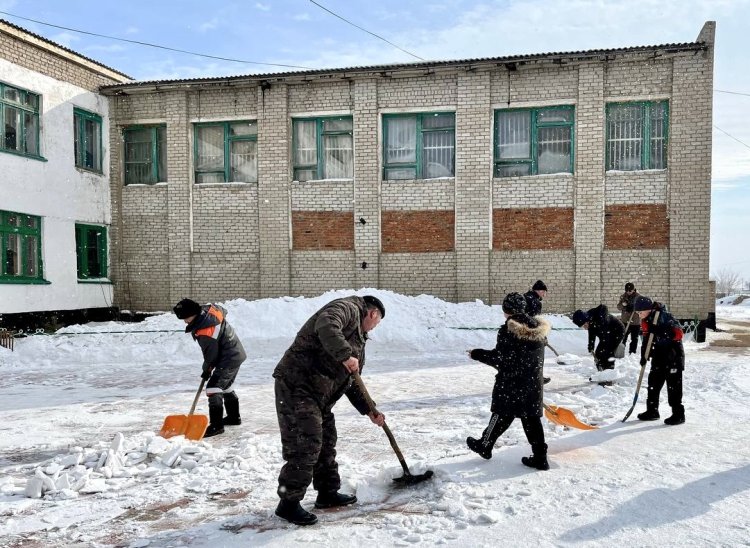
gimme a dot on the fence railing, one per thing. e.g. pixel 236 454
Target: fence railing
pixel 6 339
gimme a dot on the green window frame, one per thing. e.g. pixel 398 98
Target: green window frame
pixel 226 152
pixel 323 148
pixel 87 136
pixel 19 118
pixel 637 135
pixel 419 145
pixel 145 154
pixel 91 251
pixel 20 248
pixel 534 141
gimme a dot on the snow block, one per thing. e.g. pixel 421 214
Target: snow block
pixel 170 457
pixel 34 488
pixel 71 460
pixel 117 443
pixel 94 486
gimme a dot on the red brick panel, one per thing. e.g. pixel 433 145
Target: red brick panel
pixel 322 230
pixel 636 226
pixel 417 231
pixel 532 228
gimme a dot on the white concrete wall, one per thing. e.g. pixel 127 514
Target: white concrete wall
pixel 58 192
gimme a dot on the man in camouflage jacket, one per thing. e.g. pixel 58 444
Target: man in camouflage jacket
pixel 311 377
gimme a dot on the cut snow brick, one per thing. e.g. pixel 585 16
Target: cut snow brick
pixel 47 483
pixel 170 457
pixel 94 486
pixel 71 460
pixel 63 482
pixel 53 469
pixel 117 443
pixel 34 488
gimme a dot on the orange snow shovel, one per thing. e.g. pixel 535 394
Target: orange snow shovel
pixel 565 417
pixel 191 426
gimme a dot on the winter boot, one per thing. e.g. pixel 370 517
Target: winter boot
pixel 546 379
pixel 215 415
pixel 479 448
pixel 678 416
pixel 539 459
pixel 292 511
pixel 333 499
pixel 232 405
pixel 651 414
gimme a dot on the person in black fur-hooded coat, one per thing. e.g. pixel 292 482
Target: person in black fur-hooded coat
pixel 518 358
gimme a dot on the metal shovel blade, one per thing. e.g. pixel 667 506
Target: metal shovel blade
pixel 411 479
pixel 193 427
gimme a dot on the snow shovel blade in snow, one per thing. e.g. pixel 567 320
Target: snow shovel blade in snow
pixel 565 417
pixel 191 426
pixel 408 478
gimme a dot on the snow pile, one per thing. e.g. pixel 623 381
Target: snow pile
pixel 117 464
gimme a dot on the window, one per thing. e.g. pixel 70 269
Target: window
pixel 19 118
pixel 87 133
pixel 21 247
pixel 419 146
pixel 534 141
pixel 145 154
pixel 323 148
pixel 91 251
pixel 637 135
pixel 226 152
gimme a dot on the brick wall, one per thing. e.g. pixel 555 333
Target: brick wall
pixel 53 61
pixel 322 230
pixel 534 228
pixel 453 238
pixel 417 231
pixel 636 226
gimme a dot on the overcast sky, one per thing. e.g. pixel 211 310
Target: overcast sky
pixel 297 32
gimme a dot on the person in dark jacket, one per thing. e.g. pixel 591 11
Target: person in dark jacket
pixel 534 297
pixel 608 329
pixel 518 358
pixel 629 317
pixel 223 354
pixel 667 357
pixel 311 377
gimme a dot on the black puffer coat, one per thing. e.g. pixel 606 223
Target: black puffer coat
pixel 314 362
pixel 519 359
pixel 608 329
pixel 667 351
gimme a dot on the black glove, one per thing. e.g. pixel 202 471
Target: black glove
pixel 474 354
pixel 591 349
pixel 206 374
pixel 643 362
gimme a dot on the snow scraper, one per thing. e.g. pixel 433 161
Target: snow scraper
pixel 408 478
pixel 191 426
pixel 565 417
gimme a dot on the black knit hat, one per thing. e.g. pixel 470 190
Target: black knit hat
pixel 642 303
pixel 580 317
pixel 186 308
pixel 377 303
pixel 514 303
pixel 539 285
pixel 629 286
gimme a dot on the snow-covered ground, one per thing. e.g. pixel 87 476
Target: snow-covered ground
pixel 80 410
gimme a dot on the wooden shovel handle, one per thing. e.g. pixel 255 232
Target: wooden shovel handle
pixel 198 395
pixel 371 407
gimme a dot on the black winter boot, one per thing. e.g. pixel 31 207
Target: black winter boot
pixel 539 459
pixel 232 405
pixel 479 448
pixel 650 414
pixel 215 416
pixel 293 512
pixel 547 380
pixel 333 499
pixel 678 416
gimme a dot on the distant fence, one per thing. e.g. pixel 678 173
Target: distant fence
pixel 6 339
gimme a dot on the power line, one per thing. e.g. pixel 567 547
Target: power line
pixel 732 136
pixel 367 31
pixel 732 92
pixel 155 45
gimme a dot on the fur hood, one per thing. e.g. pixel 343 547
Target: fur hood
pixel 527 328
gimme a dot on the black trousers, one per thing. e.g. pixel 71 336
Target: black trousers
pixel 634 332
pixel 656 379
pixel 532 427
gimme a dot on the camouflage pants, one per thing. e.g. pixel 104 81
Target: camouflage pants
pixel 308 444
